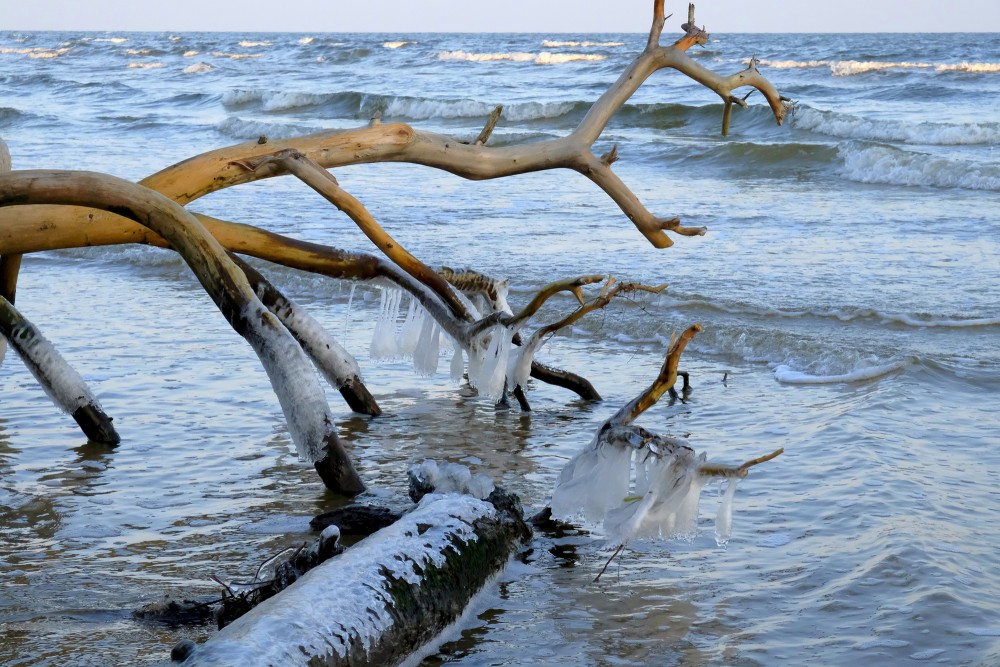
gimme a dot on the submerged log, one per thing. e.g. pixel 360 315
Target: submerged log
pixel 383 598
pixel 62 384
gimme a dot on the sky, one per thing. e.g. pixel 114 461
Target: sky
pixel 548 16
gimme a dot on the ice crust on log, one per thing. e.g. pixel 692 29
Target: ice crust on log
pixel 339 612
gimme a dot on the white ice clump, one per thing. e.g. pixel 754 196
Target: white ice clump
pixel 345 602
pixel 452 478
pixel 639 485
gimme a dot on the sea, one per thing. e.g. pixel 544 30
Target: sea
pixel 848 286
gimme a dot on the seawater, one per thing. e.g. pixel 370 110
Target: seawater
pixel 848 286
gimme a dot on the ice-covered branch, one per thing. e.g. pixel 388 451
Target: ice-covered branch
pixel 61 383
pixel 334 362
pixel 309 420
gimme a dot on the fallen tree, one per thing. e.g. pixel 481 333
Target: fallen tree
pixel 406 582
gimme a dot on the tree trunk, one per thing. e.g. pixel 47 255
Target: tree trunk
pixel 383 598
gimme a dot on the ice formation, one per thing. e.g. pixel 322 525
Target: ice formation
pixel 346 600
pixel 419 337
pixel 639 484
pixel 488 361
pixel 451 478
pixel 3 349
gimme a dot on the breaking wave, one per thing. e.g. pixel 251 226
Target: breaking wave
pixel 892 166
pixel 848 126
pixel 855 67
pixel 555 44
pixel 867 371
pixel 543 58
pixel 238 128
pixel 198 68
pixel 396 45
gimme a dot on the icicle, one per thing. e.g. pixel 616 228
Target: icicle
pixel 457 362
pixel 428 352
pixel 384 337
pixel 488 366
pixel 3 349
pixel 347 315
pixel 519 366
pixel 724 518
pixel 409 334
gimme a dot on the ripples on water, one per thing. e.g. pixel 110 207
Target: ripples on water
pixel 847 286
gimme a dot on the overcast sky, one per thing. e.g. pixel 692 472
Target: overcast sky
pixel 403 16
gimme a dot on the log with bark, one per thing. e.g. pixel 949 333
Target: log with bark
pixel 383 598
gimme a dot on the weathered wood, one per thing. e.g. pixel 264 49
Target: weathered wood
pixel 309 420
pixel 384 597
pixel 333 361
pixel 61 383
pixel 356 519
pixel 398 142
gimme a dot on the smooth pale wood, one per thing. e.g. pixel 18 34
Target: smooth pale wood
pixel 222 280
pixel 397 142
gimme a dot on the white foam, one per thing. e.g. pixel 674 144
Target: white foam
pixel 543 58
pixel 927 654
pixel 555 44
pixel 145 65
pixel 236 56
pixel 198 68
pixel 247 44
pixel 396 45
pixel 306 40
pixel 190 54
pixel 881 643
pixel 786 374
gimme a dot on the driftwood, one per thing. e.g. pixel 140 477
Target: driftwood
pixel 333 361
pixel 62 384
pixel 399 142
pixel 384 597
pixel 302 401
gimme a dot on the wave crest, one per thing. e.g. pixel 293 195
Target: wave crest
pixel 888 165
pixel 848 126
pixel 543 58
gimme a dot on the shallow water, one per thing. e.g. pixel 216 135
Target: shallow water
pixel 848 289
